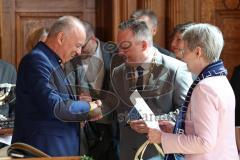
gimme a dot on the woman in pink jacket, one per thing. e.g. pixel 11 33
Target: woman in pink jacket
pixel 205 126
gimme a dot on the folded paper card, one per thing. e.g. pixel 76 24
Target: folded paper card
pixel 144 110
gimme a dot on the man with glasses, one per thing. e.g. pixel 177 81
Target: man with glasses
pixel 161 80
pixel 91 79
pixel 151 19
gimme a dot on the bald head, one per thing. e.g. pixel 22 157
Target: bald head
pixel 66 37
pixel 64 24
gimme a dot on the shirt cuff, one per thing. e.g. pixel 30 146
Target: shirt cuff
pixel 78 107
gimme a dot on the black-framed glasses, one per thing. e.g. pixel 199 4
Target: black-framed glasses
pixel 112 47
pixel 85 44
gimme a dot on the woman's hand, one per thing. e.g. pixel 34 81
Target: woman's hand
pixel 166 126
pixel 154 135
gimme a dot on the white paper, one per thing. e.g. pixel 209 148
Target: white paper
pixel 144 110
pixel 6 139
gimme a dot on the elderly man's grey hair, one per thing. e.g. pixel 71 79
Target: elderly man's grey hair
pixel 139 28
pixel 206 36
pixel 65 24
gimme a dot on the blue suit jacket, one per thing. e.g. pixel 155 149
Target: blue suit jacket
pixel 44 103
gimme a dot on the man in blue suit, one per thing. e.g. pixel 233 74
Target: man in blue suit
pixel 47 111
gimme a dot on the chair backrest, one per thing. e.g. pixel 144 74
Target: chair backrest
pixel 22 150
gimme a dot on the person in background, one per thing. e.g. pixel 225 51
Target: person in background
pixel 95 61
pixel 37 35
pixel 205 125
pixel 8 78
pixel 152 22
pixel 47 111
pixel 176 42
pixel 161 80
pixel 236 88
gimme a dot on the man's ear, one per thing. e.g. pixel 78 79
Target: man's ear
pixel 144 45
pixel 154 30
pixel 94 38
pixel 60 37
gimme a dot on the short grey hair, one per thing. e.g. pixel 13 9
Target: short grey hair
pixel 64 24
pixel 206 36
pixel 139 28
pixel 148 13
pixel 90 32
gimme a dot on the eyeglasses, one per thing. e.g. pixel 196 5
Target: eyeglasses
pixel 113 47
pixel 85 44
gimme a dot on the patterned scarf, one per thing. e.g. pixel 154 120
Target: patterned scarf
pixel 214 69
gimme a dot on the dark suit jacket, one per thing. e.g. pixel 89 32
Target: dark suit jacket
pixel 164 51
pixel 98 135
pixel 44 103
pixel 236 88
pixel 167 87
pixel 107 56
pixel 76 75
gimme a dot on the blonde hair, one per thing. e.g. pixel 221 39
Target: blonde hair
pixel 36 36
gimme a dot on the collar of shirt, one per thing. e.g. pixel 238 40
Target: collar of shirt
pixel 146 65
pixel 98 52
pixel 50 52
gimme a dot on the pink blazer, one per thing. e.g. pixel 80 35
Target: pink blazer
pixel 209 124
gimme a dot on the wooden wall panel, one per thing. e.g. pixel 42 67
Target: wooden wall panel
pixel 181 11
pixel 8 31
pixel 104 19
pixel 28 22
pixel 159 7
pixel 121 11
pixel 98 12
pixel 229 22
pixel 89 11
pixel 222 13
pixel 124 8
pixel 20 17
pixel 226 15
pixel 51 5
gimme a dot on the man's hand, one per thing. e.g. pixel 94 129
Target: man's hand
pixel 166 126
pixel 95 112
pixel 139 126
pixel 154 136
pixel 85 97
